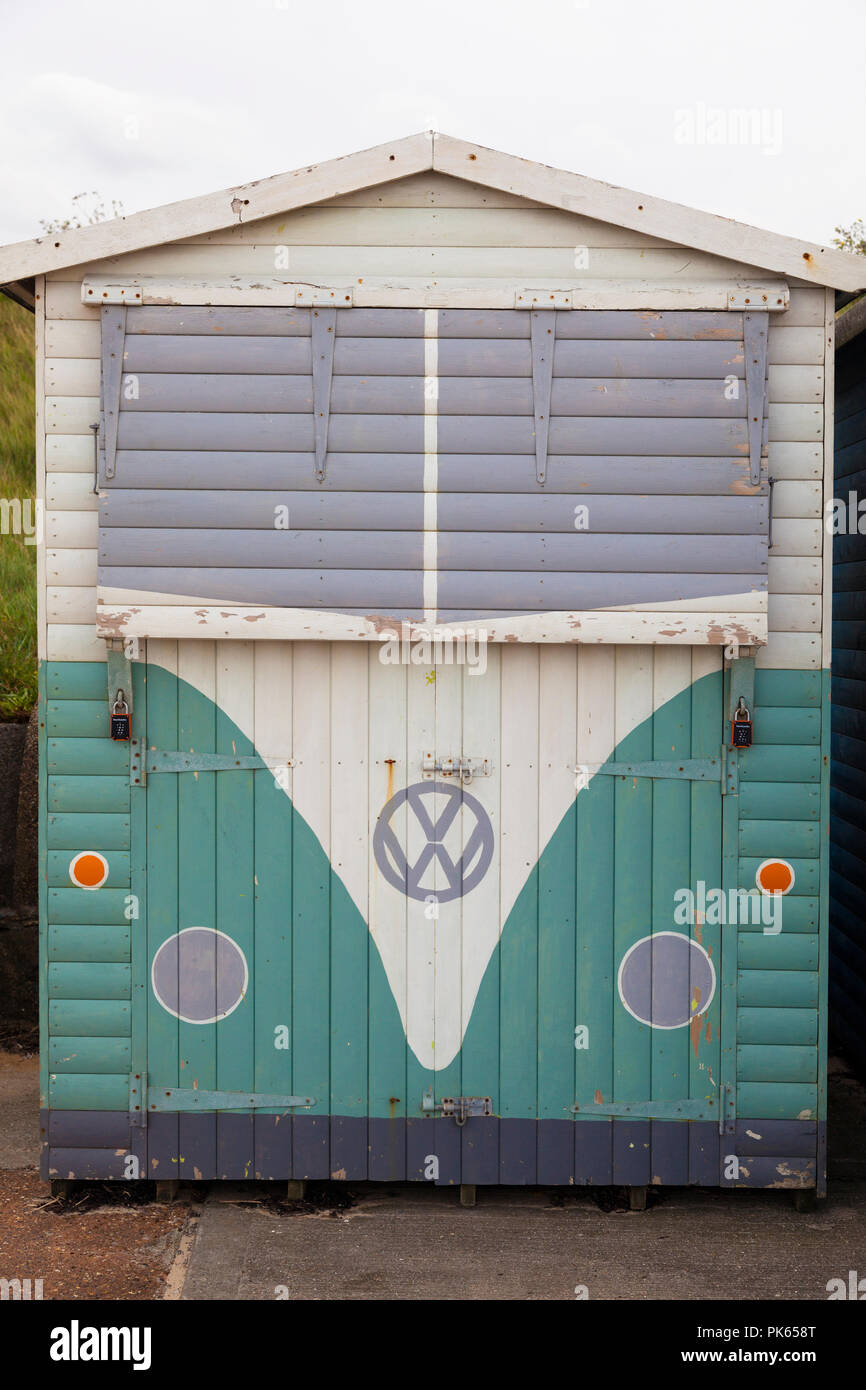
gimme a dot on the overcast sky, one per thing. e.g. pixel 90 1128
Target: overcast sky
pixel 164 99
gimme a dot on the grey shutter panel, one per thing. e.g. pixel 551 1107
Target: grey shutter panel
pixel 645 419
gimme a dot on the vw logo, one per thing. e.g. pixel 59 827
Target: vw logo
pixel 462 873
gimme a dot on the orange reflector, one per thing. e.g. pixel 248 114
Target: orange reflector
pixel 88 869
pixel 775 876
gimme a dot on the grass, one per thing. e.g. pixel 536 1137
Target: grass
pixel 18 679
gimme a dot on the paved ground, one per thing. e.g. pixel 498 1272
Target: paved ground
pixel 407 1242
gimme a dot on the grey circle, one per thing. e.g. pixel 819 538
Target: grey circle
pixel 462 876
pixel 199 975
pixel 666 980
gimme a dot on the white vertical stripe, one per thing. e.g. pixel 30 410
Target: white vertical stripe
pixel 431 464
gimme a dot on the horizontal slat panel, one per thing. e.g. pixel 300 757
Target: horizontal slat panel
pixel 778 800
pixel 72 829
pixel 785 951
pixel 94 795
pixel 776 1062
pixel 795 725
pixel 73 641
pixel 86 680
pixel 784 689
pixel 70 604
pixel 89 980
pixel 87 1054
pixel 348 264
pixel 312 520
pixel 364 589
pixel 379 395
pixel 777 1100
pixel 404 472
pixel 800 916
pixel 787 1026
pixel 405 434
pixel 59 860
pixel 788 838
pixel 87 1091
pixel 90 943
pixel 389 356
pixel 91 1017
pixel 101 907
pixel 87 756
pixel 806 871
pixel 795 989
pixel 71 567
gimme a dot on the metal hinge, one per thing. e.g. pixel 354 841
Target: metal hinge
pixel 147 760
pixel 686 769
pixel 144 1099
pixel 457 1108
pixel 464 769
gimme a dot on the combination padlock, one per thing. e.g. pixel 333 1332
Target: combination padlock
pixel 120 718
pixel 741 726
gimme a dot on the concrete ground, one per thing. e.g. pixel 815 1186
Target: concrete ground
pixel 412 1242
pixel 409 1242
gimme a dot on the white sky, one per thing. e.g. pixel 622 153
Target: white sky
pixel 634 92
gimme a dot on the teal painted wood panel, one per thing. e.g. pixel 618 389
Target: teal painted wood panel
pixel 235 892
pixel 96 1056
pixel 787 725
pixel 89 943
pixel 757 951
pixel 793 988
pixel 772 839
pixel 60 860
pixel 768 1025
pixel 79 718
pixel 87 756
pixel 87 1091
pixel 706 841
pixel 670 840
pixel 780 763
pixel 633 839
pixel 597 1001
pixel 161 794
pixel 786 688
pixel 777 1062
pixel 788 801
pixel 90 1017
pixel 770 1100
pixel 197 877
pixel 88 980
pixel 799 914
pixel 98 830
pixel 806 871
pixel 76 680
pixel 96 795
pixel 98 906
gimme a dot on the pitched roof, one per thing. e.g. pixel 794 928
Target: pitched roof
pixel 415 154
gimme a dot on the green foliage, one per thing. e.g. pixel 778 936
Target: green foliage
pixel 851 238
pixel 18 679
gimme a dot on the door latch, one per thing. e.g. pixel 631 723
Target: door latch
pixel 456 1108
pixel 463 769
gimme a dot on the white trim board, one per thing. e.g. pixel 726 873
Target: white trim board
pixel 227 290
pixel 120 615
pixel 431 151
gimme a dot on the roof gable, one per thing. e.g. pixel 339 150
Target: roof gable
pixel 460 159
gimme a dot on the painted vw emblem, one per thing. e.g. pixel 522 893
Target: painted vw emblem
pixel 463 861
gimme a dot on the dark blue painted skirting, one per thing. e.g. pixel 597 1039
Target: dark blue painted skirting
pixel 485 1151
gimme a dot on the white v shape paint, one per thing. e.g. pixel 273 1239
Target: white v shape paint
pixel 535 714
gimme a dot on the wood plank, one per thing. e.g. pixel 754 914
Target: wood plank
pixel 519 885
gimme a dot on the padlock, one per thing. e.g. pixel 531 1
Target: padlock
pixel 120 722
pixel 741 726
